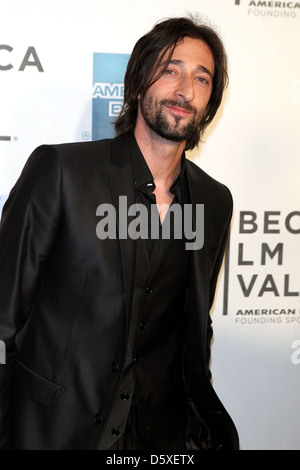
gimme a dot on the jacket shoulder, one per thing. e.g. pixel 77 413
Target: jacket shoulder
pixel 73 157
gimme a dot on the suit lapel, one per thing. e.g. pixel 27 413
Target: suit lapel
pixel 123 193
pixel 198 303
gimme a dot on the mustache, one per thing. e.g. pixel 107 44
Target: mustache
pixel 179 104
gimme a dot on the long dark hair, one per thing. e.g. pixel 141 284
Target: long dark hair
pixel 143 64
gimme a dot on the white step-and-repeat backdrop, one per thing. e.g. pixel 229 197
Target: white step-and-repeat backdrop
pixel 61 70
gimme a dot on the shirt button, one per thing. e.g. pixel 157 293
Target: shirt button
pixel 136 360
pixel 149 289
pixel 115 366
pixel 142 325
pixel 98 418
pixel 124 396
pixel 115 432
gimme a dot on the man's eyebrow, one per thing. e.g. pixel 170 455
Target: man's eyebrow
pixel 201 68
pixel 205 70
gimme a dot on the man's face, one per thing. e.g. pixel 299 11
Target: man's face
pixel 174 105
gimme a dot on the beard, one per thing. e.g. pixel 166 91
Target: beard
pixel 153 113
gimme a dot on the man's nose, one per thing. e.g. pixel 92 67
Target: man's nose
pixel 185 88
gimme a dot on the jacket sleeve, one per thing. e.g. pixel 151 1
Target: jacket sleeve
pixel 213 428
pixel 29 224
pixel 219 431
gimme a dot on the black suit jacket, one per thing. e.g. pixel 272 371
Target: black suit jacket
pixel 60 291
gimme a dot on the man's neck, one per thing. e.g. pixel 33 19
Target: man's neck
pixel 163 157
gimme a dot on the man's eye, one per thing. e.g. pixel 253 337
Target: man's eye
pixel 169 72
pixel 202 80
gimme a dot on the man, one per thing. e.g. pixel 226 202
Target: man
pixel 108 337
